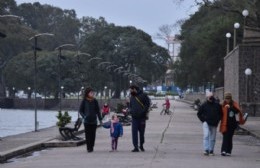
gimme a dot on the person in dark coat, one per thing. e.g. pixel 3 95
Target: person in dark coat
pixel 139 108
pixel 209 114
pixel 90 111
pixel 228 124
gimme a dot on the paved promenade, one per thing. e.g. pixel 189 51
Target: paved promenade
pixel 171 141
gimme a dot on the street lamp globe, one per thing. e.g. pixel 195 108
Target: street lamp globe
pixel 236 25
pixel 245 13
pixel 248 71
pixel 105 87
pixel 62 87
pixel 29 88
pixel 130 81
pixel 228 35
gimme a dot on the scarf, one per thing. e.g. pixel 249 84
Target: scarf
pixel 223 124
pixel 112 125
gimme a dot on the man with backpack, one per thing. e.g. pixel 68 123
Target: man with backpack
pixel 209 114
pixel 139 109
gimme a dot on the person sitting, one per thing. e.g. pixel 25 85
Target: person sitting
pixel 105 110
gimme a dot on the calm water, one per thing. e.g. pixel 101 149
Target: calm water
pixel 14 122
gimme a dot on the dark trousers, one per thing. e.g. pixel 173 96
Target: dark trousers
pixel 90 135
pixel 138 126
pixel 114 143
pixel 227 142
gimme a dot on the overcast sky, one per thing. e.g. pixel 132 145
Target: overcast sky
pixel 147 15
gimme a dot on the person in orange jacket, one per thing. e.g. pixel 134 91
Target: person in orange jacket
pixel 228 124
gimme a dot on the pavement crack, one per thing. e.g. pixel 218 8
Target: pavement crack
pixel 162 138
pixel 166 128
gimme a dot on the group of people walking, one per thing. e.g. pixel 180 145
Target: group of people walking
pixel 210 114
pixel 138 107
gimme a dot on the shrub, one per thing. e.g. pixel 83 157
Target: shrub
pixel 63 119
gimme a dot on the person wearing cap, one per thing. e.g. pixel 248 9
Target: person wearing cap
pixel 209 114
pixel 138 108
pixel 90 111
pixel 229 123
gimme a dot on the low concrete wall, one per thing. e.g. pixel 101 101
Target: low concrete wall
pixel 219 92
pixel 194 96
pixel 53 104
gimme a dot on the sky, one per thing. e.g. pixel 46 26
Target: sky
pixel 147 15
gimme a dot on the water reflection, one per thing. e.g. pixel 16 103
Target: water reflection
pixel 14 122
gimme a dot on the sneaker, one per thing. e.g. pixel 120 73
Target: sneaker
pixel 135 150
pixel 142 148
pixel 206 153
pixel 228 154
pixel 211 153
pixel 223 153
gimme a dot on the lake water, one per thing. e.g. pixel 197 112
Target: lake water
pixel 14 122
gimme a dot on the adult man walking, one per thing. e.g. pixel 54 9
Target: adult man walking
pixel 209 114
pixel 139 106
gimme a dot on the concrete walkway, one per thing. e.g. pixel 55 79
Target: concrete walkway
pixel 170 142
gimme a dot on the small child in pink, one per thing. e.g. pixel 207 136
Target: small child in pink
pixel 116 131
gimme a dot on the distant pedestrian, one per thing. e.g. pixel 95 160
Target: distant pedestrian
pixel 209 114
pixel 166 108
pixel 89 110
pixel 105 110
pixel 229 123
pixel 139 109
pixel 116 131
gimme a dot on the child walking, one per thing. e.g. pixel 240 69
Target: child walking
pixel 116 131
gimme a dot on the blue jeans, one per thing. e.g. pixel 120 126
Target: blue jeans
pixel 209 136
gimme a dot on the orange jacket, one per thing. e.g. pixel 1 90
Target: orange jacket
pixel 223 124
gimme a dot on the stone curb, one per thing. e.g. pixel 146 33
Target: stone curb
pixel 46 143
pixel 4 156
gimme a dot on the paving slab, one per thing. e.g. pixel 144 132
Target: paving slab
pixel 170 142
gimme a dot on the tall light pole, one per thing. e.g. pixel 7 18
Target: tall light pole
pixel 245 13
pixel 105 88
pixel 236 26
pixel 78 62
pixel 59 48
pixel 2 35
pixel 248 72
pixel 35 49
pixel 228 35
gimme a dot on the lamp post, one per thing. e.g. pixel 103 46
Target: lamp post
pixel 236 26
pixel 228 35
pixel 245 13
pixel 35 49
pixel 248 72
pixel 105 88
pixel 59 48
pixel 2 35
pixel 29 92
pixel 78 62
pixel 14 91
pixel 61 94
